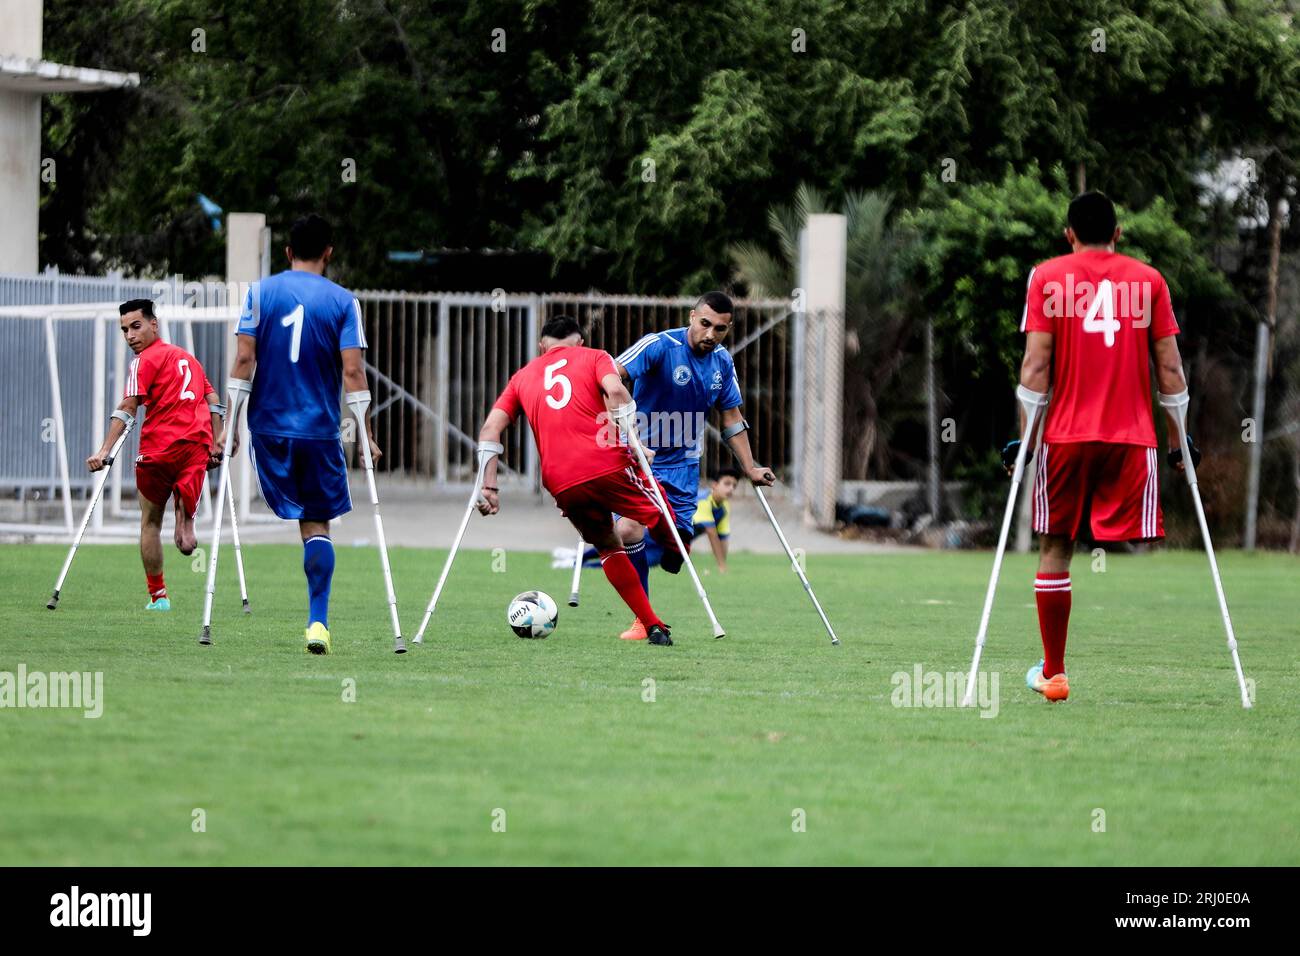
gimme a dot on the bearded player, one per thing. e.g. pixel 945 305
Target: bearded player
pixel 677 378
pixel 181 438
pixel 1094 320
pixel 569 394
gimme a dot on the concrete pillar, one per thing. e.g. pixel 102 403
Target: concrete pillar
pixel 20 146
pixel 246 238
pixel 823 252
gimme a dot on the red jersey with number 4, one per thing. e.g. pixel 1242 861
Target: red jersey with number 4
pixel 170 382
pixel 559 392
pixel 1103 310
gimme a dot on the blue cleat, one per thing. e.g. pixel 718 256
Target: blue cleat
pixel 162 604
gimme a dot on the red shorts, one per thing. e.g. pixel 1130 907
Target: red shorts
pixel 1115 487
pixel 588 506
pixel 178 472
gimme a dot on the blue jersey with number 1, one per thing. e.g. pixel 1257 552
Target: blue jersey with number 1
pixel 301 322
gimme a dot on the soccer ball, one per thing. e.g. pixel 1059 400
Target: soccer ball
pixel 532 614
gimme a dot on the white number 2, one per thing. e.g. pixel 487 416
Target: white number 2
pixel 1103 301
pixel 184 366
pixel 294 318
pixel 550 379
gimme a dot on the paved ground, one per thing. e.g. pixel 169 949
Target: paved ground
pixel 527 522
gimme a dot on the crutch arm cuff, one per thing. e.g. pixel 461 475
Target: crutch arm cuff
pixel 734 429
pixel 218 410
pixel 126 418
pixel 1175 400
pixel 491 447
pixel 1029 397
pixel 353 398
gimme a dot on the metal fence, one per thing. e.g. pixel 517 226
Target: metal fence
pixel 436 362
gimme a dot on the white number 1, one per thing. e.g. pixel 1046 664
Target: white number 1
pixel 294 318
pixel 1104 301
pixel 550 379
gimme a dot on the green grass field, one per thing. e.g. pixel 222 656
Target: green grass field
pixel 742 732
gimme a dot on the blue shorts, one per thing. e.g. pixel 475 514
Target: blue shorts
pixel 302 479
pixel 683 502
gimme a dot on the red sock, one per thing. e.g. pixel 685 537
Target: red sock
pixel 618 568
pixel 1052 591
pixel 156 587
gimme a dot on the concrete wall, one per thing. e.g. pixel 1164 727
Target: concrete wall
pixel 20 28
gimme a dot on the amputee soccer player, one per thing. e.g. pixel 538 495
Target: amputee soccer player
pixel 678 377
pixel 1094 318
pixel 304 335
pixel 569 394
pixel 181 439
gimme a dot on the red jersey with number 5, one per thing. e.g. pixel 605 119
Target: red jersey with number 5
pixel 560 393
pixel 1103 310
pixel 170 383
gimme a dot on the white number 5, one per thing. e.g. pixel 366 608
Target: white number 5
pixel 550 380
pixel 184 366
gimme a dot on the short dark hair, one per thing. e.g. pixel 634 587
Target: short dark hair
pixel 309 237
pixel 727 472
pixel 137 305
pixel 561 327
pixel 1092 217
pixel 719 302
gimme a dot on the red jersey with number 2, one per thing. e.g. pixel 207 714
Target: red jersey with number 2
pixel 1103 310
pixel 170 383
pixel 559 392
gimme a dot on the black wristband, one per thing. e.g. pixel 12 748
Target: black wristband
pixel 490 488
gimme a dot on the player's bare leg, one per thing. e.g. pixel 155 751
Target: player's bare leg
pixel 151 553
pixel 318 566
pixel 632 534
pixel 618 568
pixel 1052 594
pixel 184 536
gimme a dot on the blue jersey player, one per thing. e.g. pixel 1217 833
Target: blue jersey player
pixel 304 335
pixel 677 378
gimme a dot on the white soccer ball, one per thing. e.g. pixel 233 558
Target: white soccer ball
pixel 532 614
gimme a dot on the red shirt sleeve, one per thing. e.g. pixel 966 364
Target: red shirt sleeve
pixel 604 365
pixel 1035 318
pixel 140 376
pixel 508 400
pixel 1163 323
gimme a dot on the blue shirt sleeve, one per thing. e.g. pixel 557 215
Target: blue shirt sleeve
pixel 250 316
pixel 352 333
pixel 729 396
pixel 641 357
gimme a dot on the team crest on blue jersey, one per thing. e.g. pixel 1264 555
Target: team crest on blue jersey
pixel 682 374
pixel 717 381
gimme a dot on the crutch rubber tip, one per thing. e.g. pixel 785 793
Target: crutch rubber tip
pixel 835 641
pixel 247 609
pixel 399 646
pixel 206 637
pixel 53 602
pixel 418 639
pixel 573 600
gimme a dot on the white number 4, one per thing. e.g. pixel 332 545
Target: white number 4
pixel 1103 301
pixel 294 318
pixel 184 366
pixel 550 380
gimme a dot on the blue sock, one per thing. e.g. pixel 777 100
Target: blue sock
pixel 318 564
pixel 636 554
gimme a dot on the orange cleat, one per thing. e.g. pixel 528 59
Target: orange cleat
pixel 636 632
pixel 1053 688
